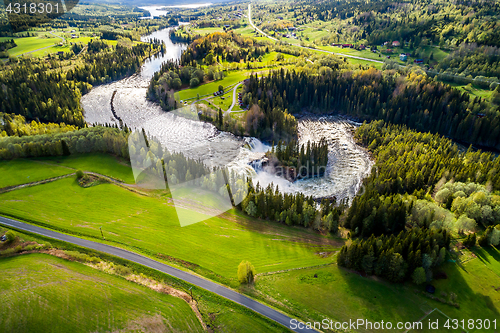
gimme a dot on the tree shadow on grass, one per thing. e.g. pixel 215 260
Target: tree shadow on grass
pixel 481 253
pixel 476 296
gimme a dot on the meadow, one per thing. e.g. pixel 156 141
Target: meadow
pixel 42 293
pixel 22 172
pixel 209 88
pixel 103 164
pixel 28 44
pixel 341 295
pixel 149 224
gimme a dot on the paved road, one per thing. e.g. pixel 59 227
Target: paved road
pixel 306 47
pixel 235 93
pixel 253 25
pixel 186 276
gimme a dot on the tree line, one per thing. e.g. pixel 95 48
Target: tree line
pixel 291 209
pixel 95 139
pixel 15 125
pixel 412 254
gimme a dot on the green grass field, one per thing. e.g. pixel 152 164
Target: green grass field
pixel 149 224
pixel 474 91
pixel 207 31
pixel 41 293
pixel 24 171
pixel 343 295
pixel 27 44
pixel 210 88
pixel 100 163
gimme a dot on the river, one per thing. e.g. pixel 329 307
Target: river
pixel 347 165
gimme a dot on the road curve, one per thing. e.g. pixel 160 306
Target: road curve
pixel 186 276
pixel 306 47
pixel 254 26
pixel 234 98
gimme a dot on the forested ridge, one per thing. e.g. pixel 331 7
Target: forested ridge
pixel 220 46
pixel 416 21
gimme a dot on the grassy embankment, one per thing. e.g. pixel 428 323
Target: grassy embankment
pixel 42 293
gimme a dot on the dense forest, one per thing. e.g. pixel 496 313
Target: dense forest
pixel 301 161
pixel 412 162
pixel 414 100
pixel 15 125
pixel 86 140
pixel 415 21
pixel 41 91
pixel 221 46
pixel 412 254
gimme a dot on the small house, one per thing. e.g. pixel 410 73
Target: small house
pixel 362 47
pixel 418 61
pixel 403 57
pixel 396 43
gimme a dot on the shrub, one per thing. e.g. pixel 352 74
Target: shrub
pixel 246 272
pixel 194 82
pixel 77 256
pixel 11 236
pixel 7 251
pixel 419 276
pixel 122 270
pixel 79 174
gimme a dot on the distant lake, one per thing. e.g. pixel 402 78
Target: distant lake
pixel 157 11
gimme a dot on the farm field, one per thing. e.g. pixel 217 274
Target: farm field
pixel 23 171
pixel 342 295
pixel 44 293
pixel 149 224
pixel 207 31
pixel 209 88
pixel 27 44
